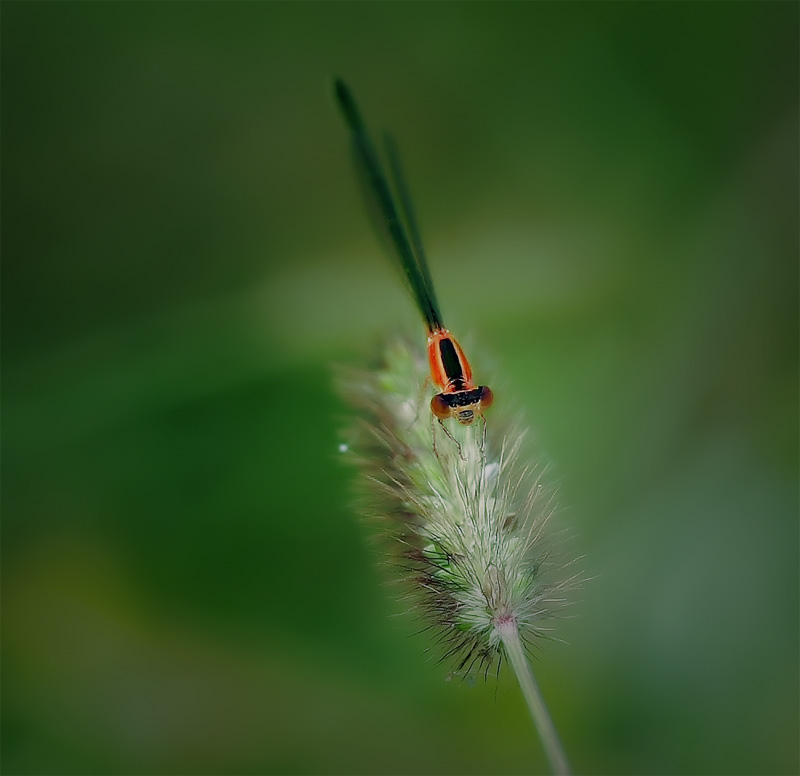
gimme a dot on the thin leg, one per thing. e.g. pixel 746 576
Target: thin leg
pixel 433 437
pixel 452 439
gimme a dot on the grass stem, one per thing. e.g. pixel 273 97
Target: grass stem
pixel 533 697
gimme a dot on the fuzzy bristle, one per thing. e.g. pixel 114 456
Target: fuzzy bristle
pixel 466 518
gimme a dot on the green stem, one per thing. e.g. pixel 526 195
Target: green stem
pixel 533 697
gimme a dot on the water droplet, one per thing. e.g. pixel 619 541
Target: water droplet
pixel 343 448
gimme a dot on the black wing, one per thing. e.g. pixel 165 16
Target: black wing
pixel 406 241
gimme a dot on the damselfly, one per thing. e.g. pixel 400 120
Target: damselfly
pixel 460 397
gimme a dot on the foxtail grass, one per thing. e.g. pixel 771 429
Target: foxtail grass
pixel 467 522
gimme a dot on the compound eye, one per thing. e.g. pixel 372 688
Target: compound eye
pixel 439 407
pixel 487 397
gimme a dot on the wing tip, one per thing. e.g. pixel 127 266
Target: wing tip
pixel 347 104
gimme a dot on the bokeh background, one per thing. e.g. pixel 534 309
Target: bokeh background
pixel 609 197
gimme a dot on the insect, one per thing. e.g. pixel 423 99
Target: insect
pixel 459 397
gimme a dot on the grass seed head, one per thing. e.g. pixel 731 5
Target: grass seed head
pixel 466 526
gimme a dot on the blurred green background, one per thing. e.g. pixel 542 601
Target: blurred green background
pixel 609 198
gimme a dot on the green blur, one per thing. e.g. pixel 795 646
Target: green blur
pixel 608 194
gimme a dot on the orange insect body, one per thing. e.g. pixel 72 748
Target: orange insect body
pixel 450 369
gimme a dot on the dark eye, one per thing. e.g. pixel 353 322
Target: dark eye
pixel 487 397
pixel 439 407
